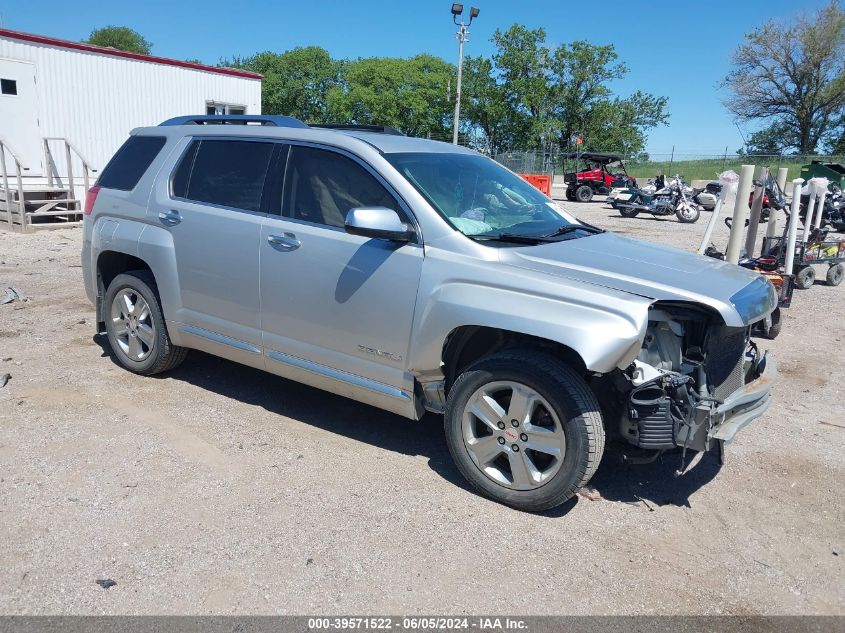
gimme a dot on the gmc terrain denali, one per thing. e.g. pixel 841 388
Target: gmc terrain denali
pixel 418 276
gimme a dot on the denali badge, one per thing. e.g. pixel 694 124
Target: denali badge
pixel 379 352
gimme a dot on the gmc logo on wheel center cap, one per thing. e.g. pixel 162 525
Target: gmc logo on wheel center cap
pixel 511 435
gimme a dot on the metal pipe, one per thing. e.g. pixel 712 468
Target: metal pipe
pixel 69 159
pixel 6 183
pixel 462 37
pixel 21 201
pixel 740 213
pixel 793 226
pixel 756 212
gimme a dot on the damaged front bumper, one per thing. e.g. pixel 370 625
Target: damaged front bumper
pixel 743 406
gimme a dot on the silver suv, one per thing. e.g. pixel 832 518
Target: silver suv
pixel 418 276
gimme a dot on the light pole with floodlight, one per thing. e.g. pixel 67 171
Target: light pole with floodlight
pixel 462 36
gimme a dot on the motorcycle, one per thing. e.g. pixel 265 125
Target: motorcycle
pixel 706 196
pixel 773 197
pixel 833 213
pixel 671 199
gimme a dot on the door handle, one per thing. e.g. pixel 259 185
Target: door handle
pixel 170 218
pixel 286 242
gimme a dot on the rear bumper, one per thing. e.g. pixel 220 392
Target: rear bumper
pixel 743 406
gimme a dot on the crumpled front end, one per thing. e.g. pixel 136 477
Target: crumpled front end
pixel 694 382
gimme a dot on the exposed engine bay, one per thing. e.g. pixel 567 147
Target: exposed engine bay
pixel 688 370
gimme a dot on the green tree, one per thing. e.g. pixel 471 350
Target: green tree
pixel 409 94
pixel 296 83
pixel 793 76
pixel 120 37
pixel 485 105
pixel 770 141
pixel 557 93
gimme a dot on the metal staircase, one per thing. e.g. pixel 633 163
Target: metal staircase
pixel 29 203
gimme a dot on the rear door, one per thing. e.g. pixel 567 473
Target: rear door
pixel 19 125
pixel 337 309
pixel 213 212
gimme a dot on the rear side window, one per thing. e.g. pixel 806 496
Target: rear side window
pixel 130 162
pixel 225 173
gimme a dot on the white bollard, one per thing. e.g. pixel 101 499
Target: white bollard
pixel 746 178
pixel 729 181
pixel 756 212
pixel 822 191
pixel 772 228
pixel 792 232
pixel 811 209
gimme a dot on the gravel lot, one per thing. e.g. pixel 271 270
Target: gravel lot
pixel 220 489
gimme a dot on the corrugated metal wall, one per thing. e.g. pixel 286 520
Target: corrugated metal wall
pixel 95 100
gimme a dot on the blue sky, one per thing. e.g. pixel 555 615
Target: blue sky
pixel 678 49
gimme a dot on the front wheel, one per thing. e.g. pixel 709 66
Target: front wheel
pixel 687 214
pixel 524 429
pixel 805 278
pixel 135 325
pixel 584 193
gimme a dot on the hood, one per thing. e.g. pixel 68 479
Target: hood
pixel 662 273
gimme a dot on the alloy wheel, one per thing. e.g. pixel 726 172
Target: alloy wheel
pixel 132 325
pixel 513 435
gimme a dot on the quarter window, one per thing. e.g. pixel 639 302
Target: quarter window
pixel 321 186
pixel 8 87
pixel 130 162
pixel 225 173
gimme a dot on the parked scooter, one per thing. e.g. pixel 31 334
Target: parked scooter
pixel 671 199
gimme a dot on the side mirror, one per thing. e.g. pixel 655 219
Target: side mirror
pixel 379 223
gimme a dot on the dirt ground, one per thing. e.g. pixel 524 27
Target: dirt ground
pixel 221 489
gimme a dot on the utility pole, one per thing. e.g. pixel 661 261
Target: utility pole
pixel 462 36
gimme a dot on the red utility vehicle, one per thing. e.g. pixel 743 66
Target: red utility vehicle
pixel 603 172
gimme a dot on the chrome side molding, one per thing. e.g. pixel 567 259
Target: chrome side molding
pixel 341 376
pixel 219 338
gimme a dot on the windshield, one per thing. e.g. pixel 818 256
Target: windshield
pixel 478 196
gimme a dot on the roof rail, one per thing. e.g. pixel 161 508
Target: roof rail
pixel 379 129
pixel 235 119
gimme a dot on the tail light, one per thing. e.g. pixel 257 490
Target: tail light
pixel 90 199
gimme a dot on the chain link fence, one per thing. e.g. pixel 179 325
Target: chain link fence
pixel 691 166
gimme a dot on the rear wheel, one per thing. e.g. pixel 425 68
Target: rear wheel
pixel 628 212
pixel 584 193
pixel 835 274
pixel 135 325
pixel 805 278
pixel 570 194
pixel 524 429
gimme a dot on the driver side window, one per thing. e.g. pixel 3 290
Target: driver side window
pixel 321 186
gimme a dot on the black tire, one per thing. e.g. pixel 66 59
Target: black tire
pixel 570 194
pixel 574 404
pixel 777 323
pixel 584 193
pixel 835 274
pixel 163 355
pixel 628 212
pixel 688 219
pixel 805 278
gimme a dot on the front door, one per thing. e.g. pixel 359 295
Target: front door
pixel 214 216
pixel 19 128
pixel 337 309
